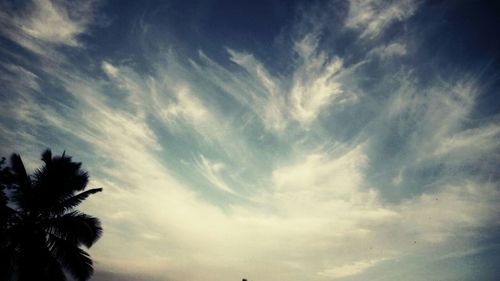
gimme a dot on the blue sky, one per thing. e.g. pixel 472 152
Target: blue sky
pixel 272 140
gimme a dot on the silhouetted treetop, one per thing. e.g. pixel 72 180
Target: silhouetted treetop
pixel 41 232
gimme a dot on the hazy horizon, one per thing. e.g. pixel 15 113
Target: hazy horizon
pixel 267 140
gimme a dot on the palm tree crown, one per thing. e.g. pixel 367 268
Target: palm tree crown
pixel 41 232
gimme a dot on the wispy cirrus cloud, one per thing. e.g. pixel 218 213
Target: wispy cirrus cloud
pixel 267 97
pixel 316 82
pixel 42 26
pixel 211 171
pixel 395 49
pixel 372 17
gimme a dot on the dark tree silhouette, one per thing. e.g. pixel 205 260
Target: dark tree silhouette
pixel 41 232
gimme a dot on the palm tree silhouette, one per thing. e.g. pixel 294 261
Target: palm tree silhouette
pixel 41 231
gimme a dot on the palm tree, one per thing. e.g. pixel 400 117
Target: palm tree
pixel 41 231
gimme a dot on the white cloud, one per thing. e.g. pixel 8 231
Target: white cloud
pixel 469 144
pixel 438 217
pixel 338 175
pixel 316 82
pixel 297 236
pixel 45 24
pixel 372 17
pixel 51 22
pixel 109 69
pixel 271 105
pixel 317 214
pixel 15 73
pixel 186 107
pixel 319 202
pixel 437 116
pixel 20 87
pixel 211 171
pixel 348 269
pixel 390 50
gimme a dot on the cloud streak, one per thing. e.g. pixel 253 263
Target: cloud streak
pixel 44 26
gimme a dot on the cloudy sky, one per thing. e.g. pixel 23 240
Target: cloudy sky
pixel 268 140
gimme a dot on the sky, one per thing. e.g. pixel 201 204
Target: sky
pixel 267 140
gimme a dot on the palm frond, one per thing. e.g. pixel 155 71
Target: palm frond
pixel 58 179
pixel 21 182
pixel 70 203
pixel 17 167
pixel 54 271
pixel 33 258
pixel 75 260
pixel 75 227
pixel 40 233
pixel 47 156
